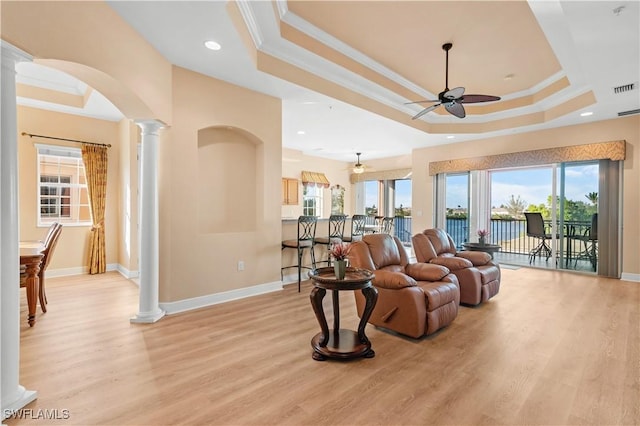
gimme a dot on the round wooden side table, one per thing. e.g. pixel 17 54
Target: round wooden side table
pixel 487 248
pixel 339 343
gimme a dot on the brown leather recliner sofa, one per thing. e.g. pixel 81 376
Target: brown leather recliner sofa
pixel 478 275
pixel 413 299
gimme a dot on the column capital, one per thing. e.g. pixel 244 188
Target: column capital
pixel 11 55
pixel 150 126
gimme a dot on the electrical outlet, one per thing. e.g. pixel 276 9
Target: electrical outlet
pixel 240 265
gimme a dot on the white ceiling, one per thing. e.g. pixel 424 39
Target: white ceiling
pixel 596 48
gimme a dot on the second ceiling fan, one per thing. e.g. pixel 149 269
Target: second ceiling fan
pixel 454 98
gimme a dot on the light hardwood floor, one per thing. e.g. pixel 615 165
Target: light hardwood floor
pixel 550 348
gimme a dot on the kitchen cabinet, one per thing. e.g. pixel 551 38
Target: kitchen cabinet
pixel 289 191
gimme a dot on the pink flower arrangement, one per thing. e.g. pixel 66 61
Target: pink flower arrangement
pixel 483 233
pixel 340 251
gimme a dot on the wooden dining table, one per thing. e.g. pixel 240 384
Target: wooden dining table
pixel 31 257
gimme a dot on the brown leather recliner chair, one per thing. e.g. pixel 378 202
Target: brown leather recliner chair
pixel 413 299
pixel 478 275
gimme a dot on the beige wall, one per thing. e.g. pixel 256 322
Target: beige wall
pixel 89 40
pixel 227 159
pixel 196 263
pixel 337 172
pixel 116 61
pixel 603 131
pixel 71 251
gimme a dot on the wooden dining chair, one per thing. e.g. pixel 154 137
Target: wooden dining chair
pixel 50 242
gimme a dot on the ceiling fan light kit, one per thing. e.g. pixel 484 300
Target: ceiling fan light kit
pixel 454 98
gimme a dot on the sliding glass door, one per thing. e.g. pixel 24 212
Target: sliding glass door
pixel 514 192
pixel 372 198
pixel 389 198
pixel 577 215
pixel 564 197
pixel 457 207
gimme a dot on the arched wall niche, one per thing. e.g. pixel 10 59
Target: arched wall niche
pixel 229 166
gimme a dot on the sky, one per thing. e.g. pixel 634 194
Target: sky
pixel 532 185
pixel 403 193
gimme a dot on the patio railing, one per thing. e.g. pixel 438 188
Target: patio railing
pixel 402 228
pixel 510 234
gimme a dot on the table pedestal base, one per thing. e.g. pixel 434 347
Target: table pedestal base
pixel 345 344
pixel 338 343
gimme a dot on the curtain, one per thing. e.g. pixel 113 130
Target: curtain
pixel 609 220
pixel 95 166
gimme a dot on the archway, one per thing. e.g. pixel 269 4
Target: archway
pixel 14 395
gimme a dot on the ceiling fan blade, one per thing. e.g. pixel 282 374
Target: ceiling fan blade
pixel 421 102
pixel 455 109
pixel 454 93
pixel 472 99
pixel 424 111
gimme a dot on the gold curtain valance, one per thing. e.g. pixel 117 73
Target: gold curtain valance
pixel 614 151
pixel 315 179
pixel 381 175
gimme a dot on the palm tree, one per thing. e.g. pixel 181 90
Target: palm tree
pixel 593 198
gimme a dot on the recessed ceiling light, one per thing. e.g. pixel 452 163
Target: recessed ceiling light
pixel 450 137
pixel 213 45
pixel 301 132
pixel 586 114
pixel 509 76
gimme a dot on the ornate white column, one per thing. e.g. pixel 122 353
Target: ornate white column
pixel 149 310
pixel 13 395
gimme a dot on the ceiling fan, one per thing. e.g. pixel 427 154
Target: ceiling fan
pixel 454 98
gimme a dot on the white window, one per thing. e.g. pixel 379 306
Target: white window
pixel 312 200
pixel 62 187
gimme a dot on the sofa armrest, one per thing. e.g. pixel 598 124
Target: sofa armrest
pixel 452 263
pixel 426 271
pixel 392 280
pixel 477 258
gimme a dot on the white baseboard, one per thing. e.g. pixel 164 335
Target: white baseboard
pixel 127 273
pixel 24 398
pixel 630 277
pixel 65 272
pixel 216 298
pixel 79 270
pixel 293 278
